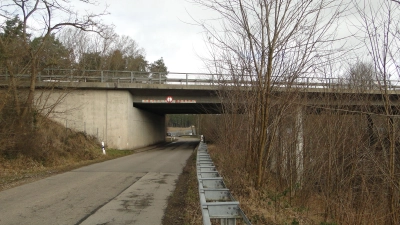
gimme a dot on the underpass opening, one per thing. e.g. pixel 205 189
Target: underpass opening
pixel 182 108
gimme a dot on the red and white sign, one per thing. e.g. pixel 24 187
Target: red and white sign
pixel 169 99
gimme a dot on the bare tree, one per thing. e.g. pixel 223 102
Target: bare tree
pixel 379 24
pixel 43 18
pixel 350 136
pixel 361 76
pixel 267 44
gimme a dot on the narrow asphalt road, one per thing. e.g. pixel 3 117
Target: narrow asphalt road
pixel 128 190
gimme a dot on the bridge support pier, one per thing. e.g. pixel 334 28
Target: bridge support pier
pixel 371 133
pixel 288 159
pixel 299 144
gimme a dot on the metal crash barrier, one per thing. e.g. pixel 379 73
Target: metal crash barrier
pixel 216 201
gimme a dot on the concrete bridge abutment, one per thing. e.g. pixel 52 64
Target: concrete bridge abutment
pixel 108 115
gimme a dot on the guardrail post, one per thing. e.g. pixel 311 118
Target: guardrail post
pixel 102 76
pixel 39 77
pixel 187 79
pixel 131 77
pixel 228 221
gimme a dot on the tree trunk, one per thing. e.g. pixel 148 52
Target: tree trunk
pixel 13 88
pixel 32 87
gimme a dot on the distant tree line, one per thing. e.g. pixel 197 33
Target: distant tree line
pixel 75 49
pixel 181 120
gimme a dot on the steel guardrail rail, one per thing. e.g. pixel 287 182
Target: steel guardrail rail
pixel 175 78
pixel 216 201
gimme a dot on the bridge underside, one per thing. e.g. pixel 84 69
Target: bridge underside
pixel 184 100
pixel 182 108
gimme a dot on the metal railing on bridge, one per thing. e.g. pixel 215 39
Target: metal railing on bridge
pixel 171 78
pixel 104 76
pixel 216 201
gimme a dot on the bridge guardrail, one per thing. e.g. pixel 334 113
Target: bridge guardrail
pixel 62 75
pixel 216 201
pixel 172 78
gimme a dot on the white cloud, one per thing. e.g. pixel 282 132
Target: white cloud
pixel 162 28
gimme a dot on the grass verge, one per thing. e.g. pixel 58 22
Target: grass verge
pixel 267 205
pixel 22 170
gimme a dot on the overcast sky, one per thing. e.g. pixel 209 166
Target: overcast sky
pixel 162 28
pixel 165 28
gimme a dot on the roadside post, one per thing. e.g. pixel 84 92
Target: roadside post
pixel 103 148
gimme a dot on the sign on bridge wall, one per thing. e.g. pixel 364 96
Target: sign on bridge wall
pixel 167 101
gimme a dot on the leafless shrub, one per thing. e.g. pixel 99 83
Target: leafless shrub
pixel 334 150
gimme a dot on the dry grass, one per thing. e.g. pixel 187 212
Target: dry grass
pixel 344 179
pixel 42 140
pixel 268 205
pixel 25 170
pixel 22 169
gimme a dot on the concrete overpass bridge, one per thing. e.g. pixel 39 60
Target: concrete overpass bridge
pixel 159 99
pixel 127 109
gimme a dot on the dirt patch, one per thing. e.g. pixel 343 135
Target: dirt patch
pixel 144 202
pixel 183 205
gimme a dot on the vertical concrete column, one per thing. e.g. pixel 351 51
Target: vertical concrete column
pixel 371 133
pixel 285 155
pixel 299 144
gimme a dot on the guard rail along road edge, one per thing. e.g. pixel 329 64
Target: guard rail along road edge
pixel 216 201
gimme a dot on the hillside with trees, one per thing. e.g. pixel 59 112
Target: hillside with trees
pixel 38 37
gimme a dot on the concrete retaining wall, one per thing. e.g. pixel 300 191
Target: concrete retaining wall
pixel 106 114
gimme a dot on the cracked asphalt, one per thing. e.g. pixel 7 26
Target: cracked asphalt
pixel 128 190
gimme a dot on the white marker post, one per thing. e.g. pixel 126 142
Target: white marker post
pixel 103 148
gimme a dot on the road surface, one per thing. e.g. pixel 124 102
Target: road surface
pixel 128 190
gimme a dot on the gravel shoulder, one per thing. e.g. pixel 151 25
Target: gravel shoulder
pixel 183 205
